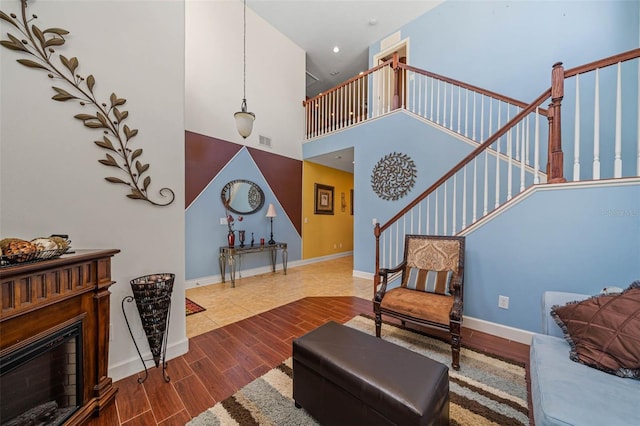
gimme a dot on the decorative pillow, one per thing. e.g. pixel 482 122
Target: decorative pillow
pixel 429 281
pixel 604 331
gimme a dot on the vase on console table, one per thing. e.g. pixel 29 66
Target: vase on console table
pixel 241 237
pixel 231 238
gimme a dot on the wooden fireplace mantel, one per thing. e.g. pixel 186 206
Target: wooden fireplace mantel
pixel 41 298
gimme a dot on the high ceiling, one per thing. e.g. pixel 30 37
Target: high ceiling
pixel 317 26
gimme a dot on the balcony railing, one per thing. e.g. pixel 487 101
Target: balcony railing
pixel 463 108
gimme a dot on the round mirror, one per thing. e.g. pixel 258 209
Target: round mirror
pixel 242 196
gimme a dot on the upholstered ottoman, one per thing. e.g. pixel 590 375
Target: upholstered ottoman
pixel 343 376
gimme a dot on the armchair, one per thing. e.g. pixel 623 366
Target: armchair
pixel 431 287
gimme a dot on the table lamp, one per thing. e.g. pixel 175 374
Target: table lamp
pixel 271 213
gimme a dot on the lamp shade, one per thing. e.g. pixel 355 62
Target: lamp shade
pixel 244 122
pixel 271 212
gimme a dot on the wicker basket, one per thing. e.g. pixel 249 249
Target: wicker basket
pixel 152 294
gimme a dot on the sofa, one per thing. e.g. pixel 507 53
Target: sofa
pixel 565 392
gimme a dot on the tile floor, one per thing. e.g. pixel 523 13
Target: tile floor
pixel 253 295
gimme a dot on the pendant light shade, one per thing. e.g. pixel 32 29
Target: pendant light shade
pixel 244 119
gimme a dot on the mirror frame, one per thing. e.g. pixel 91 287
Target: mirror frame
pixel 228 187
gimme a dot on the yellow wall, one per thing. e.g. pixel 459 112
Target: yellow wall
pixel 323 234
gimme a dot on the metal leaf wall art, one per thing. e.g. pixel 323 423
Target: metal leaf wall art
pixel 393 176
pixel 109 117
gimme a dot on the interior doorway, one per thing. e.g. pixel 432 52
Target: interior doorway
pixel 385 84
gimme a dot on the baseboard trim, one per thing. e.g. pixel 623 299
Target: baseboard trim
pixel 323 258
pixel 133 365
pixel 499 330
pixel 362 274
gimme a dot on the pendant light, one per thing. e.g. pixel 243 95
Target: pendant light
pixel 244 119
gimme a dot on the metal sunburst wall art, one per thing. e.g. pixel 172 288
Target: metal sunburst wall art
pixel 38 45
pixel 393 176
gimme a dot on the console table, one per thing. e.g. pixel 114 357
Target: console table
pixel 228 255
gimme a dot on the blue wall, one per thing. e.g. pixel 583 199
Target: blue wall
pixel 577 240
pixel 510 46
pixel 204 234
pixel 433 152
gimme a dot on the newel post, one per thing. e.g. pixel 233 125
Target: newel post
pixel 396 81
pixel 555 165
pixel 376 277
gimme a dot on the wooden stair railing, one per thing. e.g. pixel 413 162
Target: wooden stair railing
pixel 601 129
pixel 343 105
pixel 392 85
pixel 468 110
pixel 437 210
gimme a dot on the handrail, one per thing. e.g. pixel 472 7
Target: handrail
pixel 611 60
pixel 466 160
pixel 469 86
pixel 347 82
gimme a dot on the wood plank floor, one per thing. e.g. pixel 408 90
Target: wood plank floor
pixel 223 360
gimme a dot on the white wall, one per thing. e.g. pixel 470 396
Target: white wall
pixel 51 181
pixel 275 84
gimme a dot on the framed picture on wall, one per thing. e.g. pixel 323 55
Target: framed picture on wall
pixel 323 199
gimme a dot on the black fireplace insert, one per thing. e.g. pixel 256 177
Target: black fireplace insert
pixel 41 382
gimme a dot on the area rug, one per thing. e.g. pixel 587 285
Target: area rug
pixel 192 307
pixel 485 391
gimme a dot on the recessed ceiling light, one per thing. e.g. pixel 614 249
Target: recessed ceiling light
pixel 373 21
pixel 338 157
pixel 336 49
pixel 334 73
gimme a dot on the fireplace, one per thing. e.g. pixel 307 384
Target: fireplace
pixel 54 340
pixel 42 381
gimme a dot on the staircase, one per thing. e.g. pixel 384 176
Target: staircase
pixel 523 150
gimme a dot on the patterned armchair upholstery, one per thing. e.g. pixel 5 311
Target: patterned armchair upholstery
pixel 431 289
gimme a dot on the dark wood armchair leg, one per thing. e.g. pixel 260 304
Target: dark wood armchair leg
pixel 454 326
pixel 455 352
pixel 378 323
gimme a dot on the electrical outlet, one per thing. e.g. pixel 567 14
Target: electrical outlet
pixel 374 221
pixel 223 221
pixel 503 302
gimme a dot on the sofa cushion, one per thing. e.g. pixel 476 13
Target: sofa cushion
pixel 564 392
pixel 426 280
pixel 604 331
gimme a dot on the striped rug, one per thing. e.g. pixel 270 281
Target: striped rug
pixel 486 390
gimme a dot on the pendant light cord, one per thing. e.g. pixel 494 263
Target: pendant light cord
pixel 244 53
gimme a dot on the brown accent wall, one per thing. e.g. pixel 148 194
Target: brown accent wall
pixel 284 176
pixel 204 157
